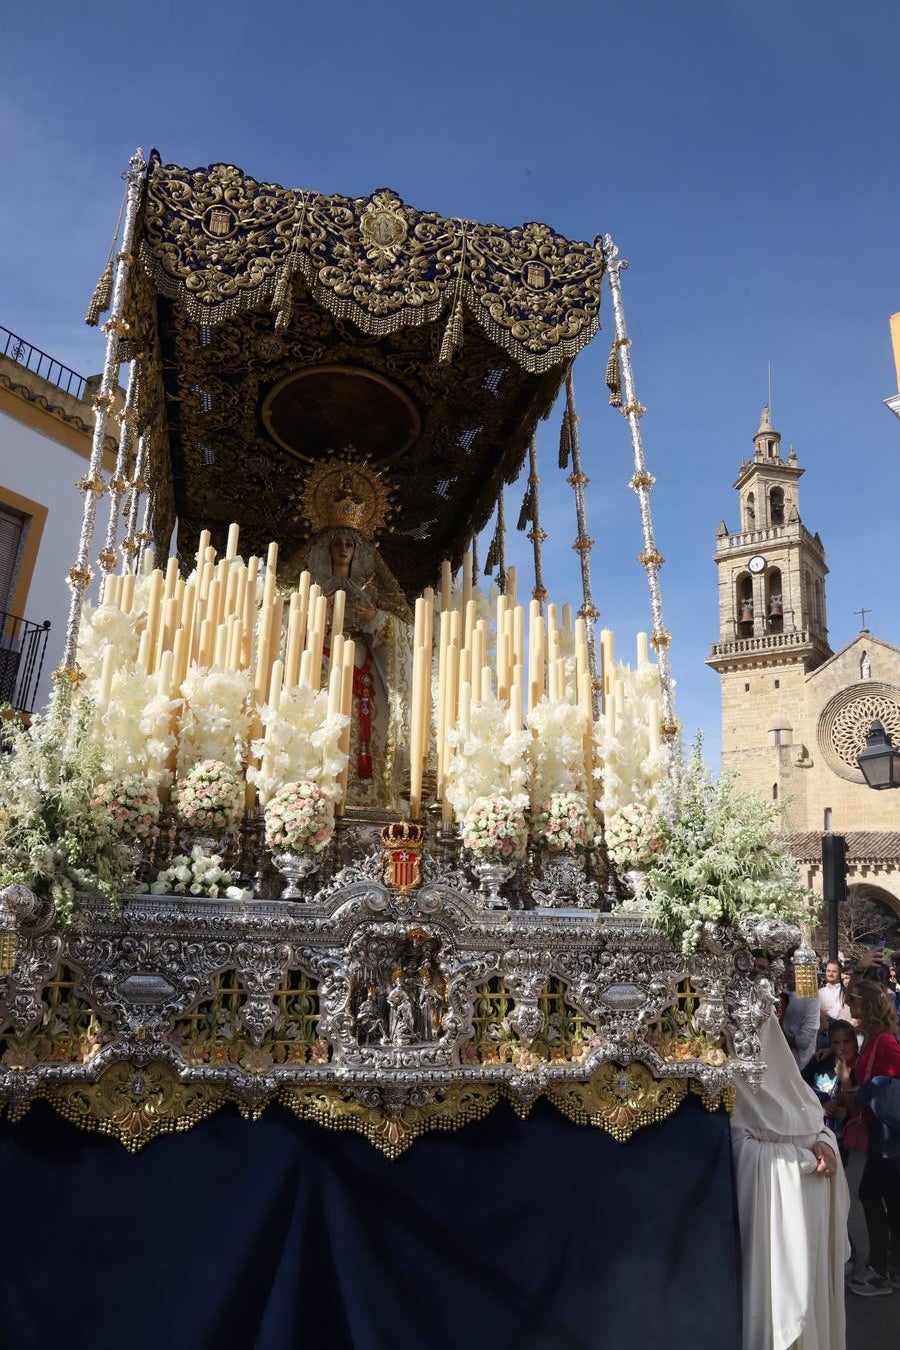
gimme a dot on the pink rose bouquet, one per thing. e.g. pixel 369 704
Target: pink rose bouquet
pixel 564 824
pixel 494 830
pixel 209 799
pixel 299 819
pixel 133 807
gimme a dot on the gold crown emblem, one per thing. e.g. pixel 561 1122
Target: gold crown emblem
pixel 347 493
pixel 402 834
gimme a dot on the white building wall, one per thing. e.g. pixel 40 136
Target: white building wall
pixel 36 466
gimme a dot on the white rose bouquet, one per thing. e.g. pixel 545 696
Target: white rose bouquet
pixel 633 837
pixel 198 873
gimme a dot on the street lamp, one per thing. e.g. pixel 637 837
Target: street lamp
pixel 880 762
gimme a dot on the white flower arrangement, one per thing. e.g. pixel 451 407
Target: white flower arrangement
pixel 302 744
pixel 299 819
pixel 209 798
pixel 103 626
pixel 137 728
pixel 51 838
pixel 629 768
pixel 215 723
pixel 633 837
pixel 490 761
pixel 494 829
pixel 198 873
pixel 557 748
pixel 722 858
pixel 133 807
pixel 565 825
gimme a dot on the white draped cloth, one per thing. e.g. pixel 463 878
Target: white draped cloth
pixel 793 1220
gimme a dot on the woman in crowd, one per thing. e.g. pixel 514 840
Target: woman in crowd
pixel 832 1076
pixel 879 1191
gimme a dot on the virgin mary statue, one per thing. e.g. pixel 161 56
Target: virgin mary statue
pixel 346 505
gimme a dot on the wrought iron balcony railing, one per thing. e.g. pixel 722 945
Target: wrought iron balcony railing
pixel 23 647
pixel 32 358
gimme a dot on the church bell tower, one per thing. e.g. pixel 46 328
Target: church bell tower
pixel 772 623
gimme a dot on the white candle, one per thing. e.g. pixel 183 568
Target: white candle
pixel 654 725
pixel 231 547
pixel 465 710
pixel 515 706
pixel 446 584
pixel 276 680
pixel 202 546
pixel 337 613
pixel 642 649
pixel 107 669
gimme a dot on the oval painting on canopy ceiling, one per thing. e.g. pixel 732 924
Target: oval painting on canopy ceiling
pixel 315 411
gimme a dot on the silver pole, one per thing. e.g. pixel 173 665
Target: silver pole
pixel 93 485
pixel 641 482
pixel 118 482
pixel 131 544
pixel 584 543
pixel 536 534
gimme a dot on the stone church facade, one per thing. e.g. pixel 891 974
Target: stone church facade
pixel 795 714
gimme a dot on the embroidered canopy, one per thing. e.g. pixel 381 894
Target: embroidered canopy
pixel 280 326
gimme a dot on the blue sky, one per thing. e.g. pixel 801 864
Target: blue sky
pixel 741 152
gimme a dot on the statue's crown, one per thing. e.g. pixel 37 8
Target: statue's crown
pixel 346 492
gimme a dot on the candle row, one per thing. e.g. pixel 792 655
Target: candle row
pixel 228 615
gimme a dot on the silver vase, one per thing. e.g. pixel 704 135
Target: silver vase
pixel 491 876
pixel 295 868
pixel 564 880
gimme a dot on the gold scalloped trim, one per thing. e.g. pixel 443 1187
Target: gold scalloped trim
pixel 619 1100
pixel 713 1101
pixel 135 1105
pixel 392 1135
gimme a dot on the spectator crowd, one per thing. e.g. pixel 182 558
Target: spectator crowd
pixel 844 1039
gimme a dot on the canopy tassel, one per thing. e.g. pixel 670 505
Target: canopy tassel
pixel 282 303
pixel 283 296
pixel 565 441
pixel 526 510
pixel 452 340
pixel 453 335
pixel 102 296
pixel 614 377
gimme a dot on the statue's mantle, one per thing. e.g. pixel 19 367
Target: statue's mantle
pixel 370 1009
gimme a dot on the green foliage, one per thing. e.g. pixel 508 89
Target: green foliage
pixel 722 857
pixel 51 839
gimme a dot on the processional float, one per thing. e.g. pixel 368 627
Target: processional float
pixel 376 838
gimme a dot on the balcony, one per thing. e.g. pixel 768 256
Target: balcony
pixel 47 367
pixel 780 534
pixel 23 647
